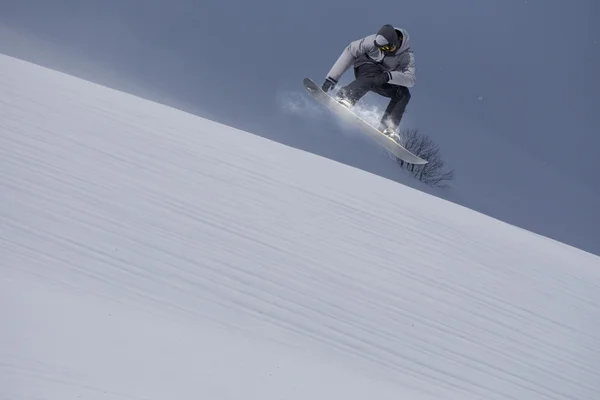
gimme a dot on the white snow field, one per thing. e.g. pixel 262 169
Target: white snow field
pixel 147 253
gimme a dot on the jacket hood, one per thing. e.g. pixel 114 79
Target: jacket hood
pixel 405 40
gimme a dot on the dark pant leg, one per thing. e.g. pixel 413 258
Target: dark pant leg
pixel 399 95
pixel 399 98
pixel 363 83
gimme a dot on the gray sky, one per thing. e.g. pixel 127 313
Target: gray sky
pixel 523 72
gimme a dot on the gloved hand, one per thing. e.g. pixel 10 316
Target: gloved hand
pixel 328 84
pixel 382 79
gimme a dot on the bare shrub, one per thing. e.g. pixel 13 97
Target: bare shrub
pixel 420 144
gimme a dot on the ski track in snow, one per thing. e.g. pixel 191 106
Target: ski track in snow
pixel 182 228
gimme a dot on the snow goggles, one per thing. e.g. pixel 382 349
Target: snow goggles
pixel 384 47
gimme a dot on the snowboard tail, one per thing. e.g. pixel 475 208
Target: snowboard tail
pixel 383 140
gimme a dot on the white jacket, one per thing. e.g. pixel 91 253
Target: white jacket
pixel 401 64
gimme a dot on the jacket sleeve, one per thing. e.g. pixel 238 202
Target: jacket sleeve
pixel 405 77
pixel 350 53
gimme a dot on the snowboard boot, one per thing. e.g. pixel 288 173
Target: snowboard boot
pixel 345 102
pixel 391 133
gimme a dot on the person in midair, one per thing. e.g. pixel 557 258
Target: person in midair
pixel 383 63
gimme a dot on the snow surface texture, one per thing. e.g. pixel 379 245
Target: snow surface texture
pixel 495 173
pixel 150 254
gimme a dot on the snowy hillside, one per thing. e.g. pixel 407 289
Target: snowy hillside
pixel 150 254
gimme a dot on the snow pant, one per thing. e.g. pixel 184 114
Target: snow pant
pixel 399 95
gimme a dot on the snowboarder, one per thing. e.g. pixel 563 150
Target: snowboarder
pixel 383 63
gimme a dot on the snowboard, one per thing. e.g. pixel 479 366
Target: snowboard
pixel 346 114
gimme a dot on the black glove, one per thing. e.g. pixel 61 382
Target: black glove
pixel 328 84
pixel 382 79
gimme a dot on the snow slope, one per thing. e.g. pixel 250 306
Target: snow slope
pixel 150 254
pixel 495 173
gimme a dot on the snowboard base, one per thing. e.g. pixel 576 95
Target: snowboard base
pixel 346 114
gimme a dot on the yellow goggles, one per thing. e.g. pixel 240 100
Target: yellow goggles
pixel 386 47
